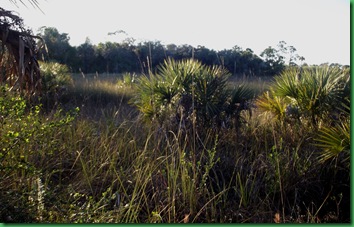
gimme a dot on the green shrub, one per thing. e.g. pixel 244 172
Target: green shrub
pixel 56 78
pixel 128 79
pixel 189 92
pixel 314 92
pixel 27 142
pixel 271 103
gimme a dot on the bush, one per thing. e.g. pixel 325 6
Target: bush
pixel 188 92
pixel 27 142
pixel 56 79
pixel 334 140
pixel 313 92
pixel 315 101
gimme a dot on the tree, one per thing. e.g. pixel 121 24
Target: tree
pixel 206 56
pixel 184 52
pixel 171 50
pixel 58 47
pixel 86 54
pixel 274 61
pixel 289 52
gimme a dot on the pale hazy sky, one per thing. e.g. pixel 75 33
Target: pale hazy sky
pixel 318 29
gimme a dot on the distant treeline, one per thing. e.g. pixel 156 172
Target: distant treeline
pixel 112 57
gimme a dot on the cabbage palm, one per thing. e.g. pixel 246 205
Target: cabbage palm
pixel 18 48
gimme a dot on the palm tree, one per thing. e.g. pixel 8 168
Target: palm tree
pixel 18 53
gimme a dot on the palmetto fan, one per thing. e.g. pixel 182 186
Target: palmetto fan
pixel 335 141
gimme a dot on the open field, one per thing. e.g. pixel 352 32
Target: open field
pixel 166 133
pixel 92 157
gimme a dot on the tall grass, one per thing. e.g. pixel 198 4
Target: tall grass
pixel 103 163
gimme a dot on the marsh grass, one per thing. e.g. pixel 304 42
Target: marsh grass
pixel 100 95
pixel 105 164
pixel 257 84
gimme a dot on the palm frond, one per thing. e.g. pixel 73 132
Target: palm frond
pixel 335 143
pixel 314 90
pixel 180 81
pixel 241 93
pixel 269 102
pixel 287 83
pixel 34 3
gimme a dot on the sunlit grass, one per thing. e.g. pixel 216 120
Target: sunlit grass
pixel 257 84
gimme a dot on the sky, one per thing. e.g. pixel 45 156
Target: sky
pixel 318 29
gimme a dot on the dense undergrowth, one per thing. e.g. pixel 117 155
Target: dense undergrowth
pixel 87 155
